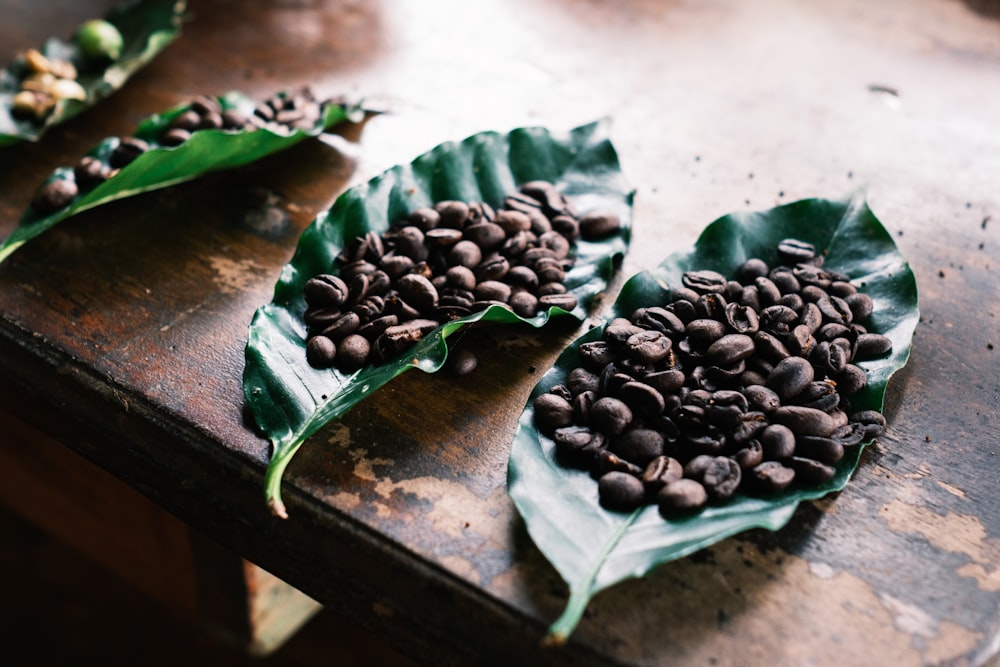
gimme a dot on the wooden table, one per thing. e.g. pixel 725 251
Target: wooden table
pixel 122 331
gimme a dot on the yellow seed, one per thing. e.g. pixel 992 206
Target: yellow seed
pixel 67 89
pixel 63 69
pixel 36 60
pixel 40 82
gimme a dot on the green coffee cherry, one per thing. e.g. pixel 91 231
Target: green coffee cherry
pixel 99 39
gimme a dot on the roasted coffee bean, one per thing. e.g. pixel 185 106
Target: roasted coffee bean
pixel 90 172
pixel 648 347
pixel 824 450
pixel 752 269
pixel 769 347
pixel 606 461
pixel 645 401
pixel 580 380
pixel 741 319
pixel 582 403
pixel 785 281
pixel 800 341
pixel 638 445
pixel 851 434
pixel 578 440
pixel 790 377
pixel 345 325
pixel 872 421
pixel 487 235
pixel 320 352
pixel 861 305
pixel 659 472
pixel 492 268
pixel 721 478
pixel 127 150
pixel 794 251
pixel 703 332
pixel 522 276
pixel 54 195
pixel 566 302
pixel 705 281
pixel 810 471
pixel 806 421
pixel 524 303
pixel 552 412
pixel 620 491
pixel 835 310
pixel 768 293
pixel 770 477
pixel 748 426
pixel 662 320
pixel 418 291
pixel 610 416
pixel 731 348
pixel 831 358
pixel 452 213
pixel 749 456
pixel 352 353
pixel 325 290
pixel 759 397
pixel 778 320
pixel 778 441
pixel 872 346
pixel 852 380
pixel 596 226
pixel 682 496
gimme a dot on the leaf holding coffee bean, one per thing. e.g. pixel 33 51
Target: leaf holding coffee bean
pixel 593 547
pixel 291 399
pixel 178 145
pixel 50 85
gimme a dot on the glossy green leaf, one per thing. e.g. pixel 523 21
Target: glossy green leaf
pixel 291 400
pixel 163 166
pixel 593 548
pixel 146 26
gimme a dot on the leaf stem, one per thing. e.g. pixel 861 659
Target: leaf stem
pixel 580 594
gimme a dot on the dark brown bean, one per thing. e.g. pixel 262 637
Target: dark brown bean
pixel 320 352
pixel 620 491
pixel 352 353
pixel 731 348
pixel 790 377
pixel 54 196
pixel 552 412
pixel 610 416
pixel 638 445
pixel 682 496
pixel 778 441
pixel 596 226
pixel 770 477
pixel 661 471
pixel 806 421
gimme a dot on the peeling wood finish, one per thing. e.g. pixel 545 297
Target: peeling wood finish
pixel 122 331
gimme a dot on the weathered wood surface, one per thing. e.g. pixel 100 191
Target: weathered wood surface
pixel 121 332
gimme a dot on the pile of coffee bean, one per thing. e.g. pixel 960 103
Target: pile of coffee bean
pixel 279 113
pixel 443 262
pixel 43 83
pixel 738 384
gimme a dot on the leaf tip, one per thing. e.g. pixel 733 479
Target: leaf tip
pixel 277 507
pixel 554 639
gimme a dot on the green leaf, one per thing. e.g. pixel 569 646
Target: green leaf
pixel 593 548
pixel 146 26
pixel 291 400
pixel 162 166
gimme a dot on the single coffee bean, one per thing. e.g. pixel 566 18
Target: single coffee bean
pixel 648 347
pixel 661 471
pixel 486 235
pixel 761 398
pixel 704 281
pixel 872 346
pixel 610 416
pixel 425 218
pixel 522 276
pixel 835 310
pixel 605 461
pixel 805 421
pixel 578 440
pixel 345 325
pixel 644 401
pixel 683 496
pixel 770 477
pixel 582 403
pixel 566 302
pixel 465 253
pixel 721 478
pixel 596 226
pixel 852 380
pixel 747 427
pixel 90 172
pixel 664 321
pixel 580 380
pixel 552 412
pixel 851 434
pixel 175 137
pixel 778 441
pixel 665 382
pixel 872 420
pixel 810 471
pixel 731 348
pixel 418 291
pixel 325 290
pixel 769 347
pixel 524 303
pixel 492 268
pixel 785 281
pixel 749 456
pixel 861 305
pixel 741 319
pixel 320 352
pixel 493 290
pixel 794 251
pixel 127 150
pixel 790 377
pixel 352 353
pixel 824 450
pixel 620 491
pixel 54 195
pixel 638 445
